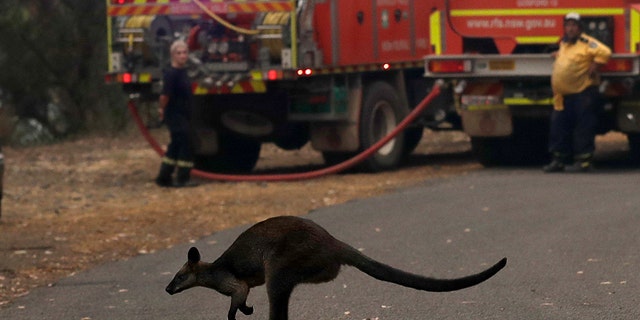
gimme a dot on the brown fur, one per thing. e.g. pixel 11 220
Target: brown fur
pixel 286 251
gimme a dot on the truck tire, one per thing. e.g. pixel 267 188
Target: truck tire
pixel 236 154
pixel 382 110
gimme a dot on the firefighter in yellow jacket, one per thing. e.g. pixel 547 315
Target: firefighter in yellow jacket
pixel 575 82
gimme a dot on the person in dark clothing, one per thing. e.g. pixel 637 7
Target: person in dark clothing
pixel 175 111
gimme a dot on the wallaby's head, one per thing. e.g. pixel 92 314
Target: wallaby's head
pixel 187 276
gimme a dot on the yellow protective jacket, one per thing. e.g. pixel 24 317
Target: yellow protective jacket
pixel 571 68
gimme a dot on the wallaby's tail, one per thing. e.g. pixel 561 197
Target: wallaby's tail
pixel 384 272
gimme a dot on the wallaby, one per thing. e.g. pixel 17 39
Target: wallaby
pixel 286 251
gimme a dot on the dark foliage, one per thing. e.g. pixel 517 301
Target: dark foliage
pixel 54 52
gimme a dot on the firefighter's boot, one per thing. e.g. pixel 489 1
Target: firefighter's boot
pixel 557 163
pixel 164 176
pixel 582 163
pixel 183 177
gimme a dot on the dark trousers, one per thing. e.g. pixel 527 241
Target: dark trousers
pixel 179 153
pixel 573 130
pixel 180 149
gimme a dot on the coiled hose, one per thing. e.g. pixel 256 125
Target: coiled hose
pixel 293 176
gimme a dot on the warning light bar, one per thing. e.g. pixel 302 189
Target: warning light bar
pixel 272 75
pixel 128 78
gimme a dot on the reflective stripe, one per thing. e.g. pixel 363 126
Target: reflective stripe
pixel 179 163
pixel 526 101
pixel 186 7
pixel 139 10
pixel 635 31
pixel 435 32
pixel 185 164
pixel 534 40
pixel 169 161
pixel 109 40
pixel 534 12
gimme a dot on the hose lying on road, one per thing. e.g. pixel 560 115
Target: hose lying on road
pixel 293 176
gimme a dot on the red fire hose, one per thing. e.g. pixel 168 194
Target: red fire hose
pixel 293 176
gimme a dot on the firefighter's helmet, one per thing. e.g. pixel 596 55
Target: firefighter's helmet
pixel 572 16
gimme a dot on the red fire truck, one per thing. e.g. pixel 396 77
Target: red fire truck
pixel 496 57
pixel 342 73
pixel 338 74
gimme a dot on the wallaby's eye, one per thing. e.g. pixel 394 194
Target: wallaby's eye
pixel 182 277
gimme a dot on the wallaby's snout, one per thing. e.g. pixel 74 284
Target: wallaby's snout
pixel 170 290
pixel 174 288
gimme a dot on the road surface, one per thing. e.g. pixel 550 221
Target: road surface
pixel 572 241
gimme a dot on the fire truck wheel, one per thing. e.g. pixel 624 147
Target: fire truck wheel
pixel 237 154
pixel 381 112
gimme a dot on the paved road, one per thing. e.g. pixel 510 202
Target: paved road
pixel 572 242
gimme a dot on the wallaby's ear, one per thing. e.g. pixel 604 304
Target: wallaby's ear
pixel 194 255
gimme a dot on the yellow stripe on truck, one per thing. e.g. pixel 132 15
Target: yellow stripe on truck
pixel 535 12
pixel 435 32
pixel 536 40
pixel 526 101
pixel 634 29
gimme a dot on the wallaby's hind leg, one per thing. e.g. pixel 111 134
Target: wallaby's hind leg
pixel 247 310
pixel 279 289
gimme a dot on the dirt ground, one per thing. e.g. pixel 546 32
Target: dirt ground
pixel 71 206
pixel 74 205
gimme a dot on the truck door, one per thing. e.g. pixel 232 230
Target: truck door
pixel 354 29
pixel 395 29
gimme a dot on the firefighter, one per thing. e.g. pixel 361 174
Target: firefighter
pixel 575 81
pixel 175 111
